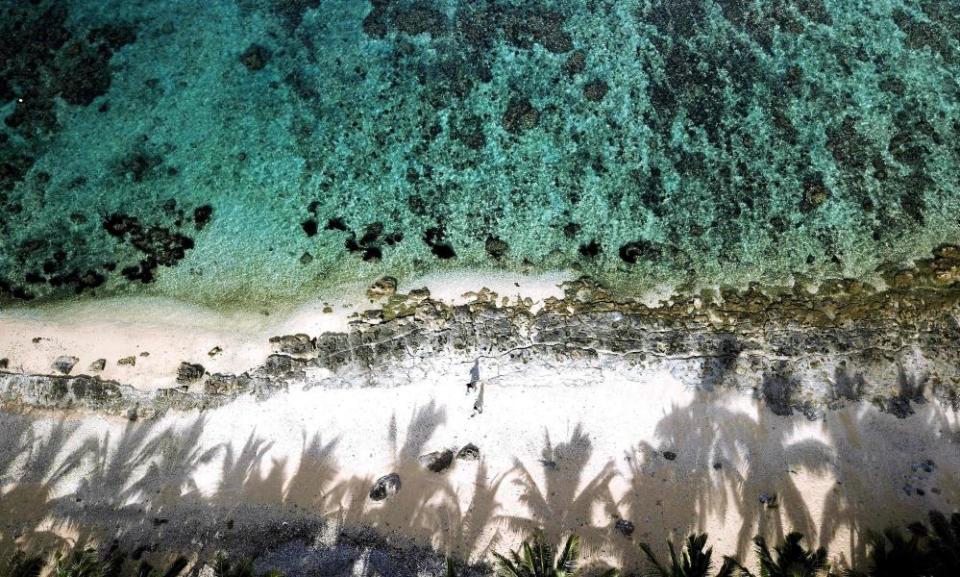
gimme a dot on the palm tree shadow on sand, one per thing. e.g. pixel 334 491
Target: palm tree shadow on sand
pixel 709 459
pixel 566 501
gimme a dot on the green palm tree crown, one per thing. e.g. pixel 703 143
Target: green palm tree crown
pixel 694 560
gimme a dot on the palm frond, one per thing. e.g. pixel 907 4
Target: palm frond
pixel 571 553
pixel 22 565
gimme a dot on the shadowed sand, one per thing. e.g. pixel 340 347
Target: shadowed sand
pixel 560 456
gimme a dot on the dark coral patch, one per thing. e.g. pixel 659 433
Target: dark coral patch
pixel 255 57
pixel 590 249
pixel 595 90
pixel 202 215
pixel 434 237
pixel 639 250
pixel 496 247
pixel 521 115
pixel 309 227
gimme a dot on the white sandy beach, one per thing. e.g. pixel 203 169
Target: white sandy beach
pixel 571 458
pixel 565 449
pixel 173 331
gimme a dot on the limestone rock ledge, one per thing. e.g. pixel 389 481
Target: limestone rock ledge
pixel 796 349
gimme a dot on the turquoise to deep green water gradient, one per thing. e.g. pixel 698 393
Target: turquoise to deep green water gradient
pixel 233 151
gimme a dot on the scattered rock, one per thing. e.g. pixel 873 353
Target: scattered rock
pixel 98 365
pixel 4 363
pixel 189 373
pixel 670 455
pixel 299 344
pixel 768 500
pixel 419 294
pixel 469 452
pixel 64 364
pixel 624 527
pixel 386 486
pixel 214 352
pixel 437 461
pixel 255 57
pixel 131 361
pixel 132 414
pixel 521 115
pixel 384 287
pixel 595 90
pixel 145 354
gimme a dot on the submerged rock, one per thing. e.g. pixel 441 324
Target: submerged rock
pixel 386 486
pixel 521 115
pixel 255 57
pixel 64 364
pixel 437 461
pixel 190 373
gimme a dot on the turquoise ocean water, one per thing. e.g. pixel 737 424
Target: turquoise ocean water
pixel 233 151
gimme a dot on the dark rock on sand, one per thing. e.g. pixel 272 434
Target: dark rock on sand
pixel 131 361
pixel 64 364
pixel 189 373
pixel 624 527
pixel 469 452
pixel 98 365
pixel 386 486
pixel 4 363
pixel 437 461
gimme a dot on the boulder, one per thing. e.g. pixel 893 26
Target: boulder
pixel 299 344
pixel 469 452
pixel 386 486
pixel 384 287
pixel 98 365
pixel 437 461
pixel 189 373
pixel 64 364
pixel 131 361
pixel 4 363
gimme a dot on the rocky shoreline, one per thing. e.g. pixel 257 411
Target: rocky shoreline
pixel 799 350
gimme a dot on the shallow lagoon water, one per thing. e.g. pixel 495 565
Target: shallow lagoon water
pixel 236 151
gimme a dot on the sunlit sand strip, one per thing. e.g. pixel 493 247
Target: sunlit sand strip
pixel 159 334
